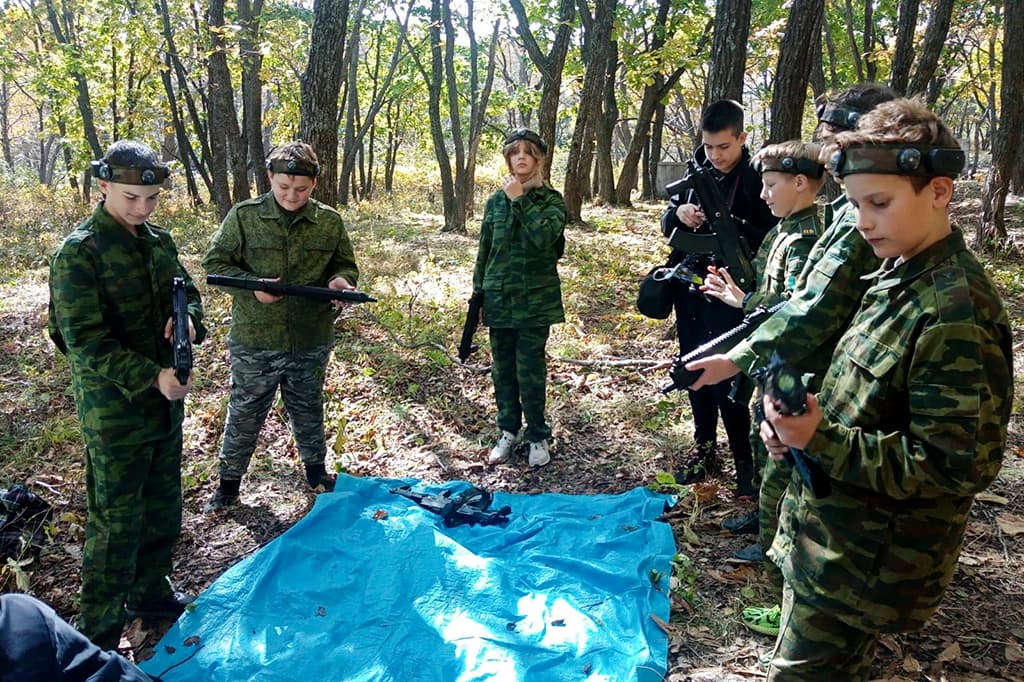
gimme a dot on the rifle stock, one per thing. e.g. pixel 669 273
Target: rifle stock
pixel 181 339
pixel 466 345
pixel 285 289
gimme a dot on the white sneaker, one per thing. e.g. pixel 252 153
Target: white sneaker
pixel 502 450
pixel 539 454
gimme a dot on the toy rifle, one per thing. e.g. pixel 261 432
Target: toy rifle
pixel 284 289
pixel 682 377
pixel 181 340
pixel 724 241
pixel 466 345
pixel 469 506
pixel 784 386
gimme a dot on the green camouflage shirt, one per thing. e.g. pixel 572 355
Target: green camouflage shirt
pixel 827 294
pixel 782 256
pixel 310 247
pixel 521 241
pixel 916 403
pixel 110 299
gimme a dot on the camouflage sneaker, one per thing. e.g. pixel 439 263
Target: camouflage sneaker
pixel 763 620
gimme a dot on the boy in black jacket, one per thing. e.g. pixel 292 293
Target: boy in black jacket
pixel 698 318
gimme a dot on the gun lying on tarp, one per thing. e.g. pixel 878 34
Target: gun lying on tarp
pixel 469 506
pixel 724 241
pixel 181 339
pixel 284 289
pixel 466 345
pixel 786 388
pixel 682 377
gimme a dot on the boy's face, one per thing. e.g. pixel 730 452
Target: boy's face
pixel 781 192
pixel 129 205
pixel 895 220
pixel 724 149
pixel 521 163
pixel 291 192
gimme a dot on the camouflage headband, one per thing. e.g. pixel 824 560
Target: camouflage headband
pixel 529 136
pixel 840 115
pixel 920 161
pixel 127 175
pixel 292 167
pixel 788 164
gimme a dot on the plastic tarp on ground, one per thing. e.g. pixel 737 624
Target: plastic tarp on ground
pixel 371 586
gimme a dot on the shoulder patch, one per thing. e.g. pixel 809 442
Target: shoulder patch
pixel 953 294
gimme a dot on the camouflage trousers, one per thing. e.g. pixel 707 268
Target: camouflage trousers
pixel 255 378
pixel 519 369
pixel 814 646
pixel 773 476
pixel 133 496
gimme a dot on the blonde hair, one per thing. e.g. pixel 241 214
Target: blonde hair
pixel 532 149
pixel 806 160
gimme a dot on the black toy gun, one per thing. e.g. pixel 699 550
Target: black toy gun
pixel 682 377
pixel 786 388
pixel 181 340
pixel 466 345
pixel 724 241
pixel 469 506
pixel 284 289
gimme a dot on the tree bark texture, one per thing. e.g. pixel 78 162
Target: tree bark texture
pixel 904 55
pixel 252 91
pixel 934 39
pixel 796 52
pixel 321 84
pixel 728 51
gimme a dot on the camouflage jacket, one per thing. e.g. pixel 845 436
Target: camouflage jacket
pixel 782 256
pixel 827 294
pixel 521 241
pixel 310 247
pixel 110 299
pixel 916 403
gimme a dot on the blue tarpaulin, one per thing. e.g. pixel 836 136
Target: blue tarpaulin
pixel 369 586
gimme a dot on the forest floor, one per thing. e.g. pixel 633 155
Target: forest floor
pixel 398 406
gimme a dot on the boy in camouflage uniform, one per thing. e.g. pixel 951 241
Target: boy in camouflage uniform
pixel 805 331
pixel 278 341
pixel 698 319
pixel 910 422
pixel 792 176
pixel 110 312
pixel 521 241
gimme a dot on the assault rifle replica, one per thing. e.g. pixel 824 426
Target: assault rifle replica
pixel 283 289
pixel 469 506
pixel 682 377
pixel 724 241
pixel 786 388
pixel 466 345
pixel 181 340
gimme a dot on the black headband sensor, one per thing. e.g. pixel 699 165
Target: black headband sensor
pixel 292 167
pixel 128 175
pixel 840 115
pixel 527 135
pixel 788 164
pixel 918 161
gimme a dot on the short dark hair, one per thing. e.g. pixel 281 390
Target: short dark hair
pixel 131 154
pixel 842 110
pixel 725 114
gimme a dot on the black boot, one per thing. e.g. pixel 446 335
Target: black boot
pixel 226 496
pixel 317 477
pixel 745 487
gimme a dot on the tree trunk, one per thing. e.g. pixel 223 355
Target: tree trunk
pixel 934 39
pixel 1011 120
pixel 728 51
pixel 437 133
pixel 320 86
pixel 550 67
pixel 858 65
pixel 605 174
pixel 5 124
pixel 868 51
pixel 596 43
pixel 223 125
pixel 796 52
pixel 252 90
pixel 904 56
pixel 184 146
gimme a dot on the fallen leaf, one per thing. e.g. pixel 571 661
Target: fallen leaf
pixel 1014 652
pixel 950 653
pixel 987 496
pixel 890 643
pixel 1010 524
pixel 911 664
